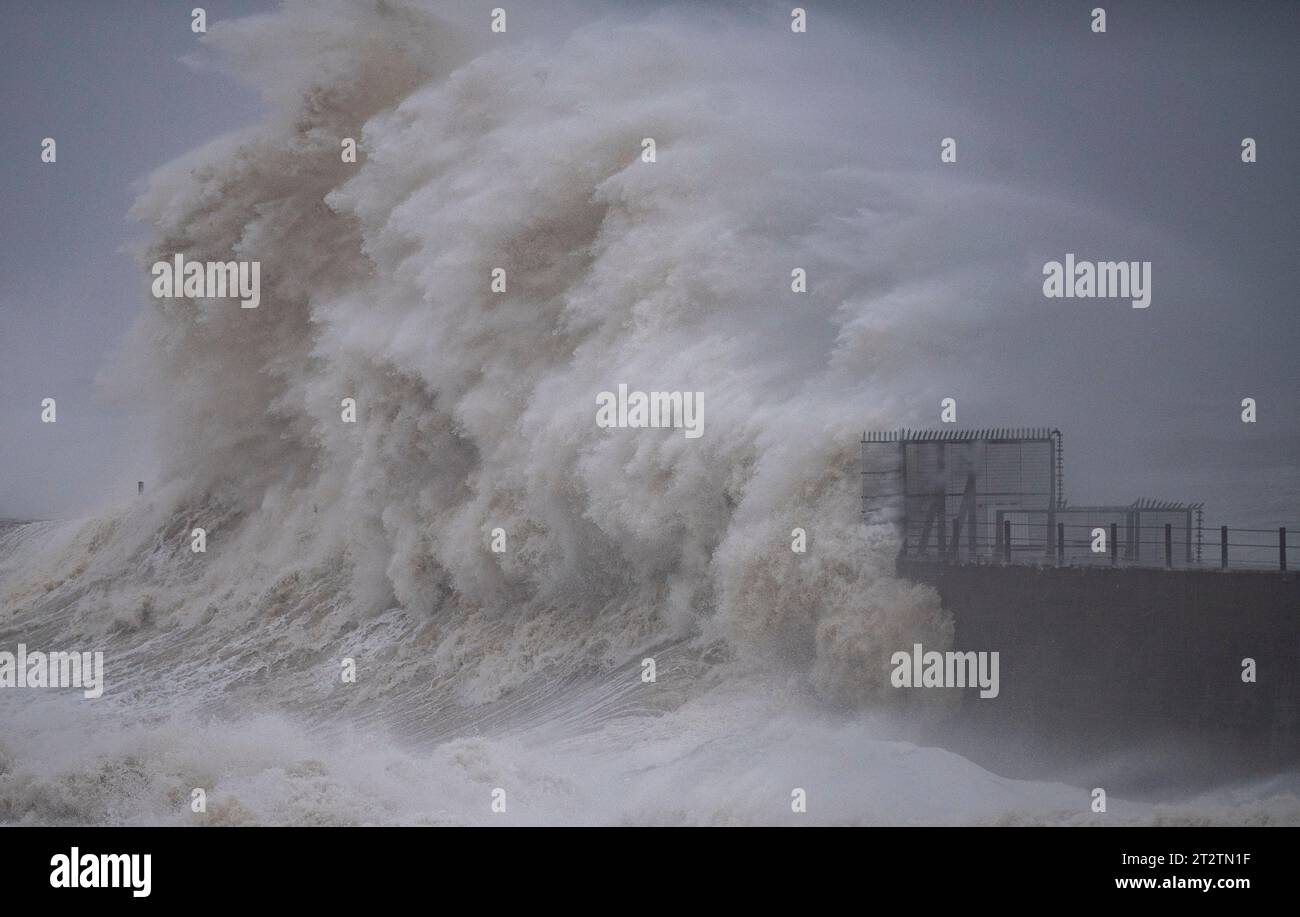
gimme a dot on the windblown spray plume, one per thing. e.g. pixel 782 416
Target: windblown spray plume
pixel 370 541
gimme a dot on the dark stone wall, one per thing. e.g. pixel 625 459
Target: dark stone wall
pixel 1097 662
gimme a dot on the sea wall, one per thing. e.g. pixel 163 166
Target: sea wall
pixel 1100 663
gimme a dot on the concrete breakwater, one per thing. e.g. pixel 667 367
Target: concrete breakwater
pixel 1198 670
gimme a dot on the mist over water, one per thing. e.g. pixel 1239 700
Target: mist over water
pixel 369 541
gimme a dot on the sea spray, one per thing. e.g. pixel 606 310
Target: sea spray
pixel 476 402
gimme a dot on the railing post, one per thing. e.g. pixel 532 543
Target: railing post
pixel 1281 548
pixel 1114 544
pixel 1223 547
pixel 1060 544
pixel 1006 540
pixel 1169 545
pixel 956 537
pixel 943 539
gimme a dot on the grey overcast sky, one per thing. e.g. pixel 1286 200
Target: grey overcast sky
pixel 1143 124
pixel 106 81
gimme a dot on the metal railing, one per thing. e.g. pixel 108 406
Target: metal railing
pixel 1088 544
